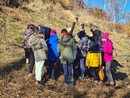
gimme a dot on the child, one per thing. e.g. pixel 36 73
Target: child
pixel 28 49
pixel 107 48
pixel 93 61
pixel 40 51
pixel 66 47
pixel 82 52
pixel 53 55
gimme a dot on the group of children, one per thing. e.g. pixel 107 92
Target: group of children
pixel 42 44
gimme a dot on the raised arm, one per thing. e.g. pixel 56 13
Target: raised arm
pixel 73 26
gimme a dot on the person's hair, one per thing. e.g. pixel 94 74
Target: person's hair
pixel 36 29
pixel 64 31
pixel 30 26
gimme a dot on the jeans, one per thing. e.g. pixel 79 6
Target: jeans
pixel 68 73
pixel 94 72
pixel 39 70
pixel 108 72
pixel 30 55
pixel 51 69
pixel 83 67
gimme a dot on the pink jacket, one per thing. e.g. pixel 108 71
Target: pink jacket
pixel 107 48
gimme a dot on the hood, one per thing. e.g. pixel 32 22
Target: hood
pixel 81 34
pixel 97 33
pixel 53 31
pixel 105 35
pixel 34 39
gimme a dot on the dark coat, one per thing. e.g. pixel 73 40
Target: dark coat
pixel 46 31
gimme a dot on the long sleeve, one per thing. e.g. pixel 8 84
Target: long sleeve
pixel 92 31
pixel 72 28
pixel 59 47
pixel 108 48
pixel 44 45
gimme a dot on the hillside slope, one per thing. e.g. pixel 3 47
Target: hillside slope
pixel 14 79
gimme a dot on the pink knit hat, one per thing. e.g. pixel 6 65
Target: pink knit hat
pixel 105 35
pixel 53 31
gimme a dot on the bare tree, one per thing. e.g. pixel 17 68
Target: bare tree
pixel 86 2
pixel 114 9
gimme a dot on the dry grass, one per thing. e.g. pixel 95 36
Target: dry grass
pixel 127 29
pixel 14 80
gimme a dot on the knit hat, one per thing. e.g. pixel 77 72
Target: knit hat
pixel 53 31
pixel 105 35
pixel 81 34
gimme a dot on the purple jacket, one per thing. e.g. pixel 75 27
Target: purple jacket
pixel 107 48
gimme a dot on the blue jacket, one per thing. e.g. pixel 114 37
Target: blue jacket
pixel 52 44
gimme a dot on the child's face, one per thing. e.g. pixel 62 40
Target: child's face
pixel 103 39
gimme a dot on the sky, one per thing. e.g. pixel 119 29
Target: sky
pixel 95 3
pixel 99 3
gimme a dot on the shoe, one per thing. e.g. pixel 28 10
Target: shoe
pixel 30 75
pixel 85 78
pixel 81 78
pixel 40 83
pixel 112 83
pixel 66 84
pixel 71 85
pixel 96 81
pixel 101 81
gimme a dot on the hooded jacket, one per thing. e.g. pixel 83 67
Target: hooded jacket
pixel 82 44
pixel 52 44
pixel 107 48
pixel 39 47
pixel 66 47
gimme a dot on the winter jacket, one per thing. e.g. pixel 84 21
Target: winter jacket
pixel 94 59
pixel 27 35
pixel 39 47
pixel 107 48
pixel 97 37
pixel 52 44
pixel 66 47
pixel 82 44
pixel 46 31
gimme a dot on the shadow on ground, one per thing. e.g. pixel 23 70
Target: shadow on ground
pixel 16 65
pixel 118 75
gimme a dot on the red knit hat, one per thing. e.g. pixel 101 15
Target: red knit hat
pixel 105 35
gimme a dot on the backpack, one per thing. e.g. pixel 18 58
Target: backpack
pixel 46 31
